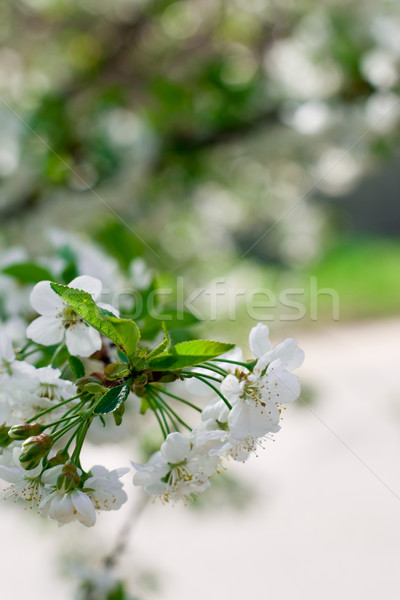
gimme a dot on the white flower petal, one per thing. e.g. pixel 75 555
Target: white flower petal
pixel 45 301
pixel 176 448
pixel 288 352
pixel 92 285
pixel 46 331
pixel 50 476
pixel 82 340
pixel 61 508
pixel 236 355
pixel 10 474
pixel 246 420
pixel 231 388
pixel 259 340
pixel 216 409
pixel 83 504
pixel 281 386
pixel 6 348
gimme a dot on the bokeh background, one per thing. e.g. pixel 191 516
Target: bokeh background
pixel 254 143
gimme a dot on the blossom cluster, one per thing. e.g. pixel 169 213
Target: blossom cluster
pixel 245 409
pixel 50 397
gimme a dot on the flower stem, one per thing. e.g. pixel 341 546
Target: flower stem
pixel 194 374
pixel 206 381
pixel 216 369
pixel 164 432
pixel 44 412
pixel 74 416
pixel 249 365
pixel 82 431
pixel 178 398
pixel 174 414
pixel 56 353
pixel 163 407
pixel 58 434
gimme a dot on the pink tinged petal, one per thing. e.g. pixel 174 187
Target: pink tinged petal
pixel 45 301
pixel 176 448
pixel 82 340
pixel 6 348
pixel 83 504
pixel 259 340
pixel 88 284
pixel 46 331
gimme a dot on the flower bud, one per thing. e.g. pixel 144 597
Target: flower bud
pixel 69 478
pixel 4 437
pixel 25 430
pixel 34 449
pixel 59 459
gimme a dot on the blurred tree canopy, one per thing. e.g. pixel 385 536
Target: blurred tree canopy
pixel 212 128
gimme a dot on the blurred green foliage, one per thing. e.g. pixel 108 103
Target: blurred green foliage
pixel 199 133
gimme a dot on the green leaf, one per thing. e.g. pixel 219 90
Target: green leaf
pixel 129 334
pixel 113 399
pixel 28 272
pixel 77 367
pixel 188 354
pixel 123 332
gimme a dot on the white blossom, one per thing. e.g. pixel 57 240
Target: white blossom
pixel 65 507
pixel 181 468
pixel 58 321
pixel 102 491
pixel 24 485
pixel 32 391
pixel 105 489
pixel 255 397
